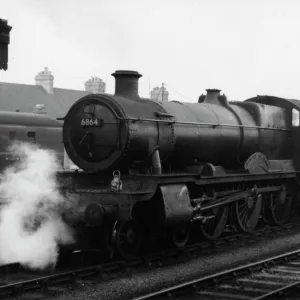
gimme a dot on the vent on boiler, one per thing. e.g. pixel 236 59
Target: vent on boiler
pixel 213 96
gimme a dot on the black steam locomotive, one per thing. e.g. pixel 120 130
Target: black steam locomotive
pixel 180 170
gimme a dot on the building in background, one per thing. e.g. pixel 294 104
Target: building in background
pixel 95 85
pixel 45 79
pixel 4 42
pixel 159 94
pixel 43 97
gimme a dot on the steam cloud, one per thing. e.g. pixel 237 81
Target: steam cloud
pixel 31 228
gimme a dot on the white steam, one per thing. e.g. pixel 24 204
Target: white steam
pixel 31 228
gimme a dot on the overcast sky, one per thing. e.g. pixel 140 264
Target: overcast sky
pixel 243 47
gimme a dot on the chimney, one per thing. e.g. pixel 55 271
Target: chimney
pixel 45 79
pixel 95 85
pixel 213 96
pixel 159 94
pixel 127 84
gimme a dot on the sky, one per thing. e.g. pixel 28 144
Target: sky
pixel 242 47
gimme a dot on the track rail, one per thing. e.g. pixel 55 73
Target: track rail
pixel 261 280
pixel 29 282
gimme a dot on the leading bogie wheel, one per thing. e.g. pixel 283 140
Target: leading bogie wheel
pixel 180 236
pixel 127 239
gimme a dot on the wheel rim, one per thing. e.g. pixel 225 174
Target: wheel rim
pixel 278 207
pixel 180 236
pixel 127 239
pixel 247 213
pixel 214 227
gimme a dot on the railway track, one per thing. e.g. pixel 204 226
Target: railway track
pixel 265 279
pixel 13 283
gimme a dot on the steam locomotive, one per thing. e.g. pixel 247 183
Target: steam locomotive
pixel 180 170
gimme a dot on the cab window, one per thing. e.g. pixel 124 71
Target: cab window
pixel 295 117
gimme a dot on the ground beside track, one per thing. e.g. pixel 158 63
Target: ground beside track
pixel 140 283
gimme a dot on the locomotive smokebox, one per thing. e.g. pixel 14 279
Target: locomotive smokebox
pixel 127 84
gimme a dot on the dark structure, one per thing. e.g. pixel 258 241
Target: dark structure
pixel 4 42
pixel 170 169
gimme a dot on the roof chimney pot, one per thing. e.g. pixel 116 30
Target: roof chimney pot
pixel 45 79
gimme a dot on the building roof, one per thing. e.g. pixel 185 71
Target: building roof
pixel 23 98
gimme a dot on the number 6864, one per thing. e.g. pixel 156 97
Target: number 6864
pixel 91 122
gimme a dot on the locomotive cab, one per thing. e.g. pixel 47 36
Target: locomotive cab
pixel 292 109
pixel 295 137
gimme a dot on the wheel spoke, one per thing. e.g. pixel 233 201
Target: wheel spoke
pixel 245 217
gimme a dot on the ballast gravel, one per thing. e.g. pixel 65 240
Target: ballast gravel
pixel 125 287
pixel 129 287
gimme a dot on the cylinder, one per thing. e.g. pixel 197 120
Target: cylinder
pixel 94 214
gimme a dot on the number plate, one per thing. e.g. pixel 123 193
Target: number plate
pixel 91 122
